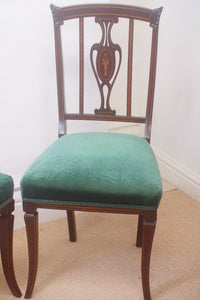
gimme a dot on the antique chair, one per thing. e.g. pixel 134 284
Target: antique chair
pixel 6 232
pixel 98 171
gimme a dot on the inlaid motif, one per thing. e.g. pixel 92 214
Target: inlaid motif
pixel 103 60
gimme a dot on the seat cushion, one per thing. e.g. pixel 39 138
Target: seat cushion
pixel 98 169
pixel 6 189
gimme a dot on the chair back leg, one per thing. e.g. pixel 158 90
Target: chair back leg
pixel 139 231
pixel 31 221
pixel 71 225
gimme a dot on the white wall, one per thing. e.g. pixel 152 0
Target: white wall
pixel 28 95
pixel 28 119
pixel 28 111
pixel 176 121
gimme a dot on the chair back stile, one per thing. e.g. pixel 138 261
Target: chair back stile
pixel 105 65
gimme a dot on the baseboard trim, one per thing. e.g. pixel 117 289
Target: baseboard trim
pixel 178 175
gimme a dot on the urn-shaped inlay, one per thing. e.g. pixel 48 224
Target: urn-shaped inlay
pixel 104 63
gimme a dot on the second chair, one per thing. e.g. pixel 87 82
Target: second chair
pixel 6 232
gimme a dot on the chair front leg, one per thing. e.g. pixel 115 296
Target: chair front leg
pixel 71 225
pixel 31 221
pixel 149 224
pixel 6 236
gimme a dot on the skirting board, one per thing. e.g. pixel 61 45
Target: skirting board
pixel 178 175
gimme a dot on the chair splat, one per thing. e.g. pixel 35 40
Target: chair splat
pixel 105 68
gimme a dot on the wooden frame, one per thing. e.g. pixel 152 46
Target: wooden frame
pixel 6 247
pixel 106 16
pixel 145 234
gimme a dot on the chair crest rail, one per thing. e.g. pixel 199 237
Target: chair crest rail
pixel 61 14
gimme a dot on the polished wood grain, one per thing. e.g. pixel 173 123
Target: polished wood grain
pixel 6 247
pixel 124 11
pixel 91 117
pixel 31 221
pixel 72 225
pixel 130 63
pixel 139 231
pixel 81 72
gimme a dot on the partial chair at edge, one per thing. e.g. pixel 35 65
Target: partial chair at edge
pixel 6 232
pixel 98 171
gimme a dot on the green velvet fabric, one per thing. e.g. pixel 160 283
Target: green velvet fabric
pixel 6 189
pixel 100 169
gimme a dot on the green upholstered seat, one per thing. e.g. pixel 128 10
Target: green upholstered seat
pixel 102 169
pixel 6 189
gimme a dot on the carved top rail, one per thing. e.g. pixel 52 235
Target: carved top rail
pixel 124 11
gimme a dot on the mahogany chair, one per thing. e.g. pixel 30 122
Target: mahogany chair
pixel 6 232
pixel 98 171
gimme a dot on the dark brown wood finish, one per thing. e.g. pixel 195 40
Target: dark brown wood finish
pixel 130 58
pixel 6 247
pixel 139 231
pixel 81 32
pixel 31 221
pixel 32 207
pixel 105 118
pixel 107 16
pixel 90 10
pixel 71 225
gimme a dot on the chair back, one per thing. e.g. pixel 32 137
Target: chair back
pixel 106 59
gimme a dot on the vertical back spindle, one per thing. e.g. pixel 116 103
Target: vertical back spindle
pixel 81 40
pixel 130 61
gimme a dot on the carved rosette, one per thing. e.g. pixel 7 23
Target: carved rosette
pixel 57 15
pixel 104 63
pixel 155 18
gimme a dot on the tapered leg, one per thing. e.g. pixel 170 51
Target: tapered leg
pixel 6 237
pixel 139 231
pixel 149 225
pixel 71 225
pixel 31 220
